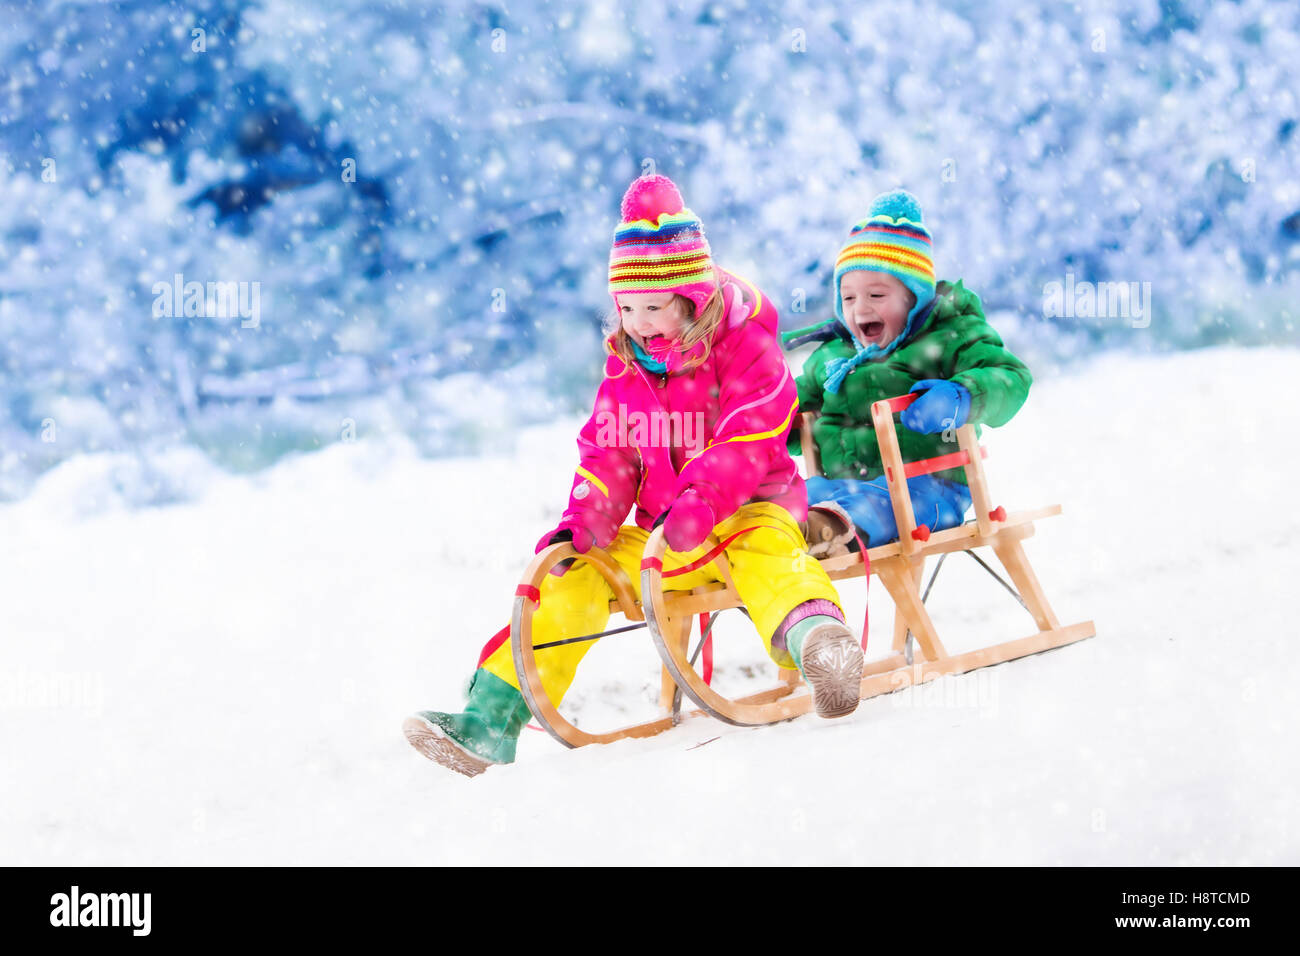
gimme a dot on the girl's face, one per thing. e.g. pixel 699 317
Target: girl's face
pixel 875 305
pixel 649 315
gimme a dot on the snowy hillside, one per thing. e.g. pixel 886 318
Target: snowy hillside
pixel 223 681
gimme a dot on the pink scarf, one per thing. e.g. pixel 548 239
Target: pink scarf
pixel 670 351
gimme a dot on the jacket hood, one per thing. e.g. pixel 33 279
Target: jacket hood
pixel 741 302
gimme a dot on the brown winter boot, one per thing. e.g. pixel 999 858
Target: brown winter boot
pixel 830 660
pixel 830 530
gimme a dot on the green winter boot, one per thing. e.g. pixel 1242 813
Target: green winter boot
pixel 484 735
pixel 830 660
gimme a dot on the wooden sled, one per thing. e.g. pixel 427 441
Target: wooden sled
pixel 899 565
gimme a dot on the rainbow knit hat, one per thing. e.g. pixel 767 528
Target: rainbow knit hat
pixel 891 239
pixel 660 246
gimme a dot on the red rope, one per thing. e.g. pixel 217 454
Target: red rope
pixel 866 562
pixel 495 641
pixel 706 666
pixel 708 557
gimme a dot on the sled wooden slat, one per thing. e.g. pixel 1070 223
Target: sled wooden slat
pixel 718 598
pixel 882 416
pixel 1012 556
pixel 899 565
pixel 778 692
pixel 904 587
pixel 900 624
pixel 885 664
pixel 811 455
pixel 952 539
pixel 979 490
pixel 922 670
pixel 679 635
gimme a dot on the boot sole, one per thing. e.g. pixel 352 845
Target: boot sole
pixel 438 747
pixel 832 665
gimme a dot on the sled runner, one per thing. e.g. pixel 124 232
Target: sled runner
pixel 669 614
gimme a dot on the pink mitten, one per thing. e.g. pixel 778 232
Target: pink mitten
pixel 582 538
pixel 689 522
pixel 582 541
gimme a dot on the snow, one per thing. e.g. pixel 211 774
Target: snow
pixel 222 680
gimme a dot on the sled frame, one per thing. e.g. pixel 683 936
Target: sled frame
pixel 899 564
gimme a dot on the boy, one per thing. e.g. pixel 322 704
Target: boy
pixel 895 331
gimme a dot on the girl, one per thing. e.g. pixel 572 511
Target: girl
pixel 690 426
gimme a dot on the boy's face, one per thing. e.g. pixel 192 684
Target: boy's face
pixel 875 305
pixel 647 315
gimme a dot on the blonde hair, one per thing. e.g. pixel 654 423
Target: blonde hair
pixel 699 329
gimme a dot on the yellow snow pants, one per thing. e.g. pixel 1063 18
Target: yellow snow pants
pixel 769 565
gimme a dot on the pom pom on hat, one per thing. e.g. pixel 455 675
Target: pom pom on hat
pixel 898 204
pixel 649 197
pixel 660 245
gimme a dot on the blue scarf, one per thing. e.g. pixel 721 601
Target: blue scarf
pixel 837 369
pixel 643 357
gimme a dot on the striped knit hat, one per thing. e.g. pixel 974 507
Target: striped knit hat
pixel 891 239
pixel 660 246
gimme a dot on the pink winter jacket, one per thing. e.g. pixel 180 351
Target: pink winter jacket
pixel 728 417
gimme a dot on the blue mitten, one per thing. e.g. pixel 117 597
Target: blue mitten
pixel 942 405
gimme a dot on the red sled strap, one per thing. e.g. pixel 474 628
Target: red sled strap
pixel 495 641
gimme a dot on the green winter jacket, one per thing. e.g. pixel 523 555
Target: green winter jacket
pixel 954 341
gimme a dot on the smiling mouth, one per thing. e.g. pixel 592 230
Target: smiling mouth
pixel 871 330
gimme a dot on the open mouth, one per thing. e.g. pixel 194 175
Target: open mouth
pixel 871 330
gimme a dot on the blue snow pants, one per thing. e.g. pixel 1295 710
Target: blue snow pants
pixel 936 502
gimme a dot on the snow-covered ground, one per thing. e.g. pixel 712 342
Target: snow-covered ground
pixel 224 681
